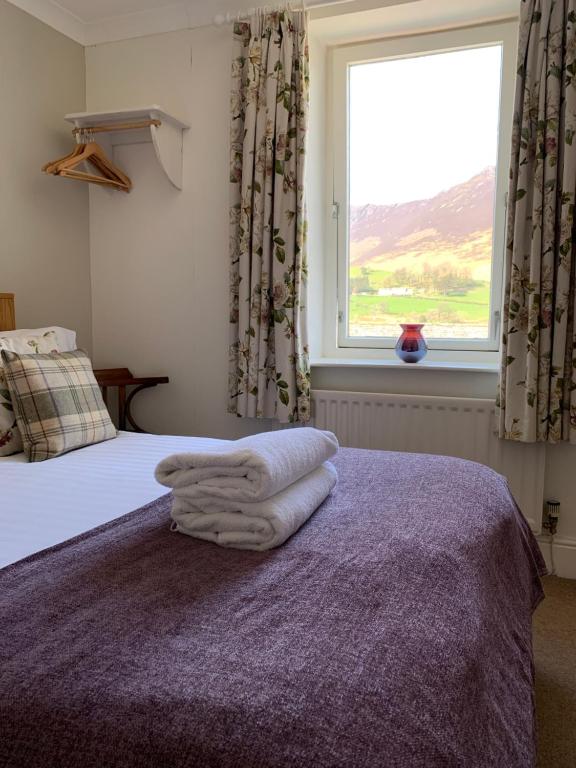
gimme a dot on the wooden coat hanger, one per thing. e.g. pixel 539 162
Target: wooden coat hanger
pixel 99 161
pixel 91 153
pixel 95 155
pixel 52 166
pixel 91 178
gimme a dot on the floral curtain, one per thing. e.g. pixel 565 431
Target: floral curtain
pixel 537 398
pixel 269 368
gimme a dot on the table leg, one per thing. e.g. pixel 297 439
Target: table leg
pixel 127 410
pixel 122 407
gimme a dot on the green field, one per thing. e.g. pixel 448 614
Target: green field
pixel 469 305
pixel 465 309
pixel 470 309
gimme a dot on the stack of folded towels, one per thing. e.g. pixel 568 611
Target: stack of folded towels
pixel 253 493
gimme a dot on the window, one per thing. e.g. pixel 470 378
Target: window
pixel 421 155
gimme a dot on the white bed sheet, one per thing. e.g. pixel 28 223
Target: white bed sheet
pixel 45 503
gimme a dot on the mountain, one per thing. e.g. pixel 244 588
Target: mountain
pixel 454 225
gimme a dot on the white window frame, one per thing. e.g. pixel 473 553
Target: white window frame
pixel 336 341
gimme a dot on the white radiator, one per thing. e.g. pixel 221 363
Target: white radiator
pixel 451 426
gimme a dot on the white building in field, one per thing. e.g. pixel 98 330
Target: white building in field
pixel 395 291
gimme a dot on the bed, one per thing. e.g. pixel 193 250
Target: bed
pixel 392 631
pixel 80 491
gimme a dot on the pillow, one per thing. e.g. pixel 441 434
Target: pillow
pixel 57 401
pixel 10 438
pixel 65 338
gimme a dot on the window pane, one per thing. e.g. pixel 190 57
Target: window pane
pixel 423 153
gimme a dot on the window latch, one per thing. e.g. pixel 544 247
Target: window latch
pixel 335 210
pixel 497 322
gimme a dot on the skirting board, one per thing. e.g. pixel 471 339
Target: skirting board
pixel 564 555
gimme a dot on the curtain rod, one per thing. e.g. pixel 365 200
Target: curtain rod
pixel 228 18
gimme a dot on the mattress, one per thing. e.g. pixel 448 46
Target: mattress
pixel 45 503
pixel 392 631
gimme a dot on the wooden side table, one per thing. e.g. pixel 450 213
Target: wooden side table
pixel 122 378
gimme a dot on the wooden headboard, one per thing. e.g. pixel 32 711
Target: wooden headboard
pixel 7 312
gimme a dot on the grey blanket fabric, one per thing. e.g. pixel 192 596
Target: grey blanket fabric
pixel 392 631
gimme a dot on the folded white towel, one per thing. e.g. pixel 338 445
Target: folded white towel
pixel 251 469
pixel 254 525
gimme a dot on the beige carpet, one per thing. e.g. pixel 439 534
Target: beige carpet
pixel 555 657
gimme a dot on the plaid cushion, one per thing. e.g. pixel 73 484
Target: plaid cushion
pixel 58 403
pixel 24 342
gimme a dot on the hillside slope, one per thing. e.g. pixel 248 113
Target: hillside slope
pixel 454 226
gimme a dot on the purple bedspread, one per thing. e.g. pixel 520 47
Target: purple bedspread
pixel 393 631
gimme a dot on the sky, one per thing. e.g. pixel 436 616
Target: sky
pixel 423 124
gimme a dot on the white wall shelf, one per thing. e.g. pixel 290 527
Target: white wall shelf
pixel 167 137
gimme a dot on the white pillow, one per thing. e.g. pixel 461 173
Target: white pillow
pixel 37 341
pixel 65 339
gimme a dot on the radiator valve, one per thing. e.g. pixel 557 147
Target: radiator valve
pixel 551 517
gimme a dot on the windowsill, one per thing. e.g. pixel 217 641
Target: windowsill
pixel 466 366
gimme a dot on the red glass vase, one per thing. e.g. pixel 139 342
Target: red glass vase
pixel 411 346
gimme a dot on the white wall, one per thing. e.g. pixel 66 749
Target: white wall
pixel 560 484
pixel 160 257
pixel 44 249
